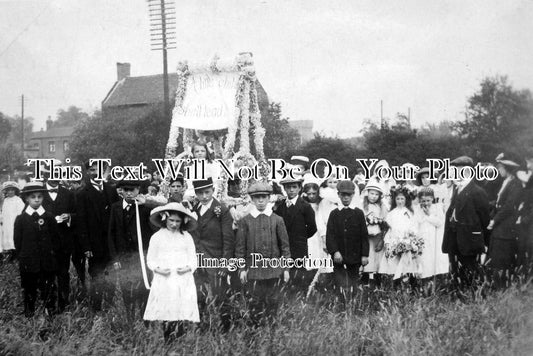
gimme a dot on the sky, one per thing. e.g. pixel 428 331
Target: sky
pixel 327 61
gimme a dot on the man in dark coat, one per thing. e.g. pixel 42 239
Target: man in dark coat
pixel 503 246
pixel 465 228
pixel 525 216
pixel 123 240
pixel 299 218
pixel 214 239
pixel 93 206
pixel 347 239
pixel 60 202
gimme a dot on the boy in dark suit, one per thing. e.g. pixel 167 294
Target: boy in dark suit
pixel 59 201
pixel 37 243
pixel 347 240
pixel 93 205
pixel 299 218
pixel 123 240
pixel 213 238
pixel 465 228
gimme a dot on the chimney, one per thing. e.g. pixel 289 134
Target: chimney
pixel 49 123
pixel 123 70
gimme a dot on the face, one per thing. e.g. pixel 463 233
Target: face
pixel 120 192
pixel 152 191
pixel 373 196
pixel 34 200
pixel 130 193
pixel 205 195
pixel 292 190
pixel 173 222
pixel 10 192
pixel 312 195
pixel 400 201
pixel 425 179
pixel 176 187
pixel 199 152
pixel 92 171
pixel 156 176
pixel 426 201
pixel 260 201
pixel 332 183
pixel 346 198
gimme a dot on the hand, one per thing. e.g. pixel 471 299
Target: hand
pixel 286 276
pixel 65 216
pixel 364 261
pixel 117 265
pixel 425 208
pixel 337 258
pixel 243 276
pixel 182 270
pixel 141 199
pixel 88 254
pixel 162 271
pixel 491 225
pixel 222 273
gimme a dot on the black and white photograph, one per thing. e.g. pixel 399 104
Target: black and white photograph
pixel 266 177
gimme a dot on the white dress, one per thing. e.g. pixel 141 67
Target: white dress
pixel 317 243
pixel 11 208
pixel 401 221
pixel 172 297
pixel 430 227
pixel 374 258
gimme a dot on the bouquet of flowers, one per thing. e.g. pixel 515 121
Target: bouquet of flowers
pixel 408 242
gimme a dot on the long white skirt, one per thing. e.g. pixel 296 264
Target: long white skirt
pixel 172 298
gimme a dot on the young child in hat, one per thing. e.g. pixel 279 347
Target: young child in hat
pixel 172 258
pixel 123 242
pixel 262 232
pixel 11 207
pixel 37 243
pixel 347 240
pixel 375 214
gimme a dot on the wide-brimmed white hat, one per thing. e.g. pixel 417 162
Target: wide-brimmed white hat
pixel 158 215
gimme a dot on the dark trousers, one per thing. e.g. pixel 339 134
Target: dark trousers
pixel 100 287
pixel 130 281
pixel 262 296
pixel 78 260
pixel 63 279
pixel 346 279
pixel 44 281
pixel 211 285
pixel 299 280
pixel 465 270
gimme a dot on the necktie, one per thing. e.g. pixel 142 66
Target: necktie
pixel 35 216
pixel 289 203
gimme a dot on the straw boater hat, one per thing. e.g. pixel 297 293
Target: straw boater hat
pixel 259 188
pixel 11 184
pixel 288 180
pixel 424 170
pixel 33 187
pixel 508 160
pixel 463 161
pixel 300 160
pixel 160 214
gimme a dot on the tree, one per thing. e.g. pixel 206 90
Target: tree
pixel 280 138
pixel 498 118
pixel 16 130
pixel 71 117
pixel 10 156
pixel 5 127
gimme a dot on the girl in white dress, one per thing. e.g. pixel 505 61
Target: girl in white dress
pixel 11 207
pixel 375 214
pixel 401 222
pixel 430 220
pixel 172 258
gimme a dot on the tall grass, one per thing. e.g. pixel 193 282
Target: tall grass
pixel 374 323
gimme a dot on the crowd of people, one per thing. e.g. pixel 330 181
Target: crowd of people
pixel 365 232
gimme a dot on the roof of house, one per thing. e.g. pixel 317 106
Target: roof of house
pixel 53 133
pixel 149 90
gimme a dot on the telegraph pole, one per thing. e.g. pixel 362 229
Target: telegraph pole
pixel 22 125
pixel 163 37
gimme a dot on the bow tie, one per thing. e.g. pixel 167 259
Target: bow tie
pixel 52 190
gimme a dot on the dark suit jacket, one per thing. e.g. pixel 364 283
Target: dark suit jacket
pixel 347 233
pixel 64 203
pixel 36 245
pixel 468 235
pixel 122 235
pixel 507 212
pixel 93 218
pixel 301 225
pixel 214 235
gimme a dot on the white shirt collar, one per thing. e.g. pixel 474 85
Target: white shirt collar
pixel 293 200
pixel 208 205
pixel 255 213
pixel 341 207
pixel 125 204
pixel 48 186
pixel 40 210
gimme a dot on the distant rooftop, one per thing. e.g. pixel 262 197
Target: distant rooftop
pixel 55 132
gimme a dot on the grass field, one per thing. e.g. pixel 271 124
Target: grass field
pixel 384 323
